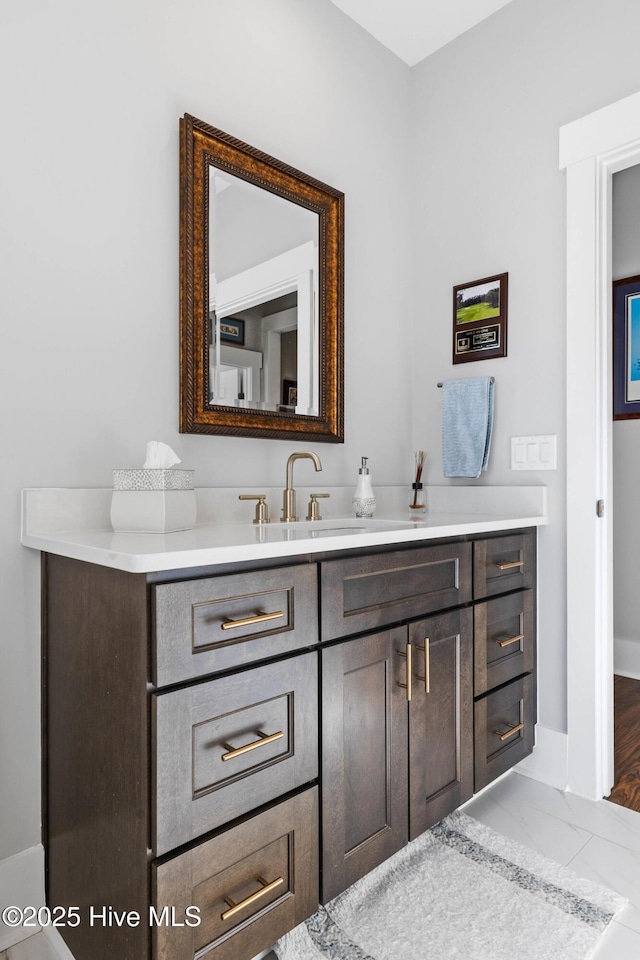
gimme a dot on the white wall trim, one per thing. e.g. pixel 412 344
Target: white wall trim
pixel 626 658
pixel 21 885
pixel 59 947
pixel 548 762
pixel 611 127
pixel 591 150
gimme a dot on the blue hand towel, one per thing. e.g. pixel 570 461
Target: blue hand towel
pixel 467 423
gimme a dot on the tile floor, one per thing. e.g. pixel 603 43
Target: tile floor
pixel 598 840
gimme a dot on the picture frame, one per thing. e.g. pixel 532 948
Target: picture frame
pixel 480 319
pixel 232 331
pixel 626 348
pixel 290 393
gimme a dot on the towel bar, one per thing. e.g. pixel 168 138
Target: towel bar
pixel 492 379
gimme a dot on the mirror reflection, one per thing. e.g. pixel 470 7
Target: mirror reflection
pixel 263 299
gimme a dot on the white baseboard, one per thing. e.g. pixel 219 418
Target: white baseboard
pixel 21 885
pixel 58 945
pixel 626 658
pixel 549 760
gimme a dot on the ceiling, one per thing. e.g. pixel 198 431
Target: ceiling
pixel 413 29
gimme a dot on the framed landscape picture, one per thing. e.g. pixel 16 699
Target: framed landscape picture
pixel 480 319
pixel 626 348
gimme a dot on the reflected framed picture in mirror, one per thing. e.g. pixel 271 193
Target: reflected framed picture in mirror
pixel 290 393
pixel 232 331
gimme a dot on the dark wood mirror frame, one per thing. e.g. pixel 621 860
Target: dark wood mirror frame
pixel 202 146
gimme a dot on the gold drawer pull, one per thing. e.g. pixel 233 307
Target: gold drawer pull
pixel 427 664
pixel 409 658
pixel 248 621
pixel 236 907
pixel 505 643
pixel 510 732
pixel 263 740
pixel 510 564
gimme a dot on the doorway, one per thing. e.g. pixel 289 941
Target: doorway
pixel 592 149
pixel 626 516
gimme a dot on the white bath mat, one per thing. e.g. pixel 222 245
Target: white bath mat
pixel 459 891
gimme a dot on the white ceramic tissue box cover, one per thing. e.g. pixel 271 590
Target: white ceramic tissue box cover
pixel 153 478
pixel 153 511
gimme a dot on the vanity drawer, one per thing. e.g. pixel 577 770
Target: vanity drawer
pixel 504 640
pixel 363 593
pixel 204 775
pixel 205 626
pixel 273 855
pixel 504 729
pixel 501 564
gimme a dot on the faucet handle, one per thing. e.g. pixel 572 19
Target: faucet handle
pixel 313 512
pixel 262 507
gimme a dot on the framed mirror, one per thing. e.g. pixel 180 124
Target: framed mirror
pixel 261 293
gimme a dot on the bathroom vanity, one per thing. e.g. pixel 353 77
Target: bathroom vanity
pixel 250 736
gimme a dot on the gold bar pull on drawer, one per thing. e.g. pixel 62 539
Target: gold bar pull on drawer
pixel 516 639
pixel 510 732
pixel 249 621
pixel 510 564
pixel 263 740
pixel 265 889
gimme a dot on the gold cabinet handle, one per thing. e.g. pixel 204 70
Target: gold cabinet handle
pixel 510 564
pixel 263 740
pixel 248 621
pixel 427 664
pixel 510 732
pixel 264 890
pixel 516 639
pixel 409 658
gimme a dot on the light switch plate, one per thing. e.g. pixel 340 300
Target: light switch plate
pixel 534 453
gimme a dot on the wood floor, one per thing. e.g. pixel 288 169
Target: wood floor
pixel 626 790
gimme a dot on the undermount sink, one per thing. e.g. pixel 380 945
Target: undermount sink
pixel 310 529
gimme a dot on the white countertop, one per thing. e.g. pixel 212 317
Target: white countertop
pixel 229 542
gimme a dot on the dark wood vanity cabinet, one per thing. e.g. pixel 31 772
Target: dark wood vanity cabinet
pixel 397 704
pixel 418 716
pixel 247 742
pixel 397 741
pixel 181 766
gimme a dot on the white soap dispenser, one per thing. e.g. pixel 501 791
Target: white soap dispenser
pixel 364 501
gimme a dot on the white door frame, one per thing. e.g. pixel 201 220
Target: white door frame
pixel 592 149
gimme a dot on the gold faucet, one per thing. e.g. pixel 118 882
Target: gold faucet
pixel 289 495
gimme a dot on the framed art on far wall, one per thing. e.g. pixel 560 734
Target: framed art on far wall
pixel 232 331
pixel 626 348
pixel 480 319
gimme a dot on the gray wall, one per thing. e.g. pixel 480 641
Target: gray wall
pixel 91 97
pixel 490 198
pixel 626 441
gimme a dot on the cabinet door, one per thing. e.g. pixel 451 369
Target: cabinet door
pixel 364 756
pixel 440 718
